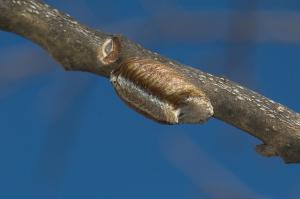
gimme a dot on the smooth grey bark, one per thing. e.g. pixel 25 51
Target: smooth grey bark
pixel 79 48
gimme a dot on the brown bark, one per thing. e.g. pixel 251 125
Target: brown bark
pixel 80 48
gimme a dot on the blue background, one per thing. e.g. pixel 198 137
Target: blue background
pixel 67 135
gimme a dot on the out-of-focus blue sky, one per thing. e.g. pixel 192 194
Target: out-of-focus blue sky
pixel 67 135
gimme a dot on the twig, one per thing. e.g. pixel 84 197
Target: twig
pixel 78 47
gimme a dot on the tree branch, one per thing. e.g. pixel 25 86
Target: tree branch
pixel 80 48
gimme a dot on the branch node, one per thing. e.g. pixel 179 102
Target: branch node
pixel 109 51
pixel 266 150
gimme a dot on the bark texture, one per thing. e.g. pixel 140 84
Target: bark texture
pixel 79 48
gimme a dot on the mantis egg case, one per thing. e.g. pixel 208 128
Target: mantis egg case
pixel 159 92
